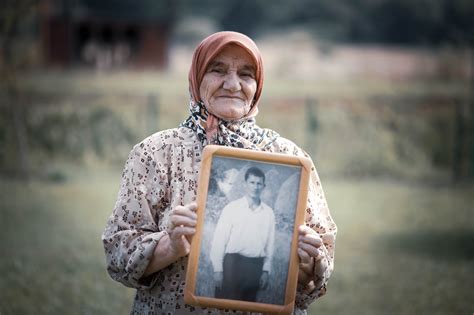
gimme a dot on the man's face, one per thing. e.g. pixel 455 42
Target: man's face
pixel 254 186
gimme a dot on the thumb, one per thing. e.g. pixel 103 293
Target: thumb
pixel 185 244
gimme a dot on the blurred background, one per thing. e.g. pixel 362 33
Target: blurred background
pixel 380 92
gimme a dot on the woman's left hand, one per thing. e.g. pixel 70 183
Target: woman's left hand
pixel 309 253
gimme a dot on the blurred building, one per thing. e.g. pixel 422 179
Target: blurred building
pixel 106 34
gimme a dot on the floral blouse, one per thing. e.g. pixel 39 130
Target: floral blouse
pixel 161 173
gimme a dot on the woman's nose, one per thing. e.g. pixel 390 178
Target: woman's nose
pixel 232 82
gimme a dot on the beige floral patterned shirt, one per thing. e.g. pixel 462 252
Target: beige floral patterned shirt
pixel 161 173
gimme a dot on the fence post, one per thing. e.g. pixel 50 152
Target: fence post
pixel 471 112
pixel 311 124
pixel 20 135
pixel 458 141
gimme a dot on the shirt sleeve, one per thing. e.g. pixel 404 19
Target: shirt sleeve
pixel 269 248
pixel 318 218
pixel 132 232
pixel 220 239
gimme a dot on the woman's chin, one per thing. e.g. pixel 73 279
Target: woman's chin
pixel 228 110
pixel 231 115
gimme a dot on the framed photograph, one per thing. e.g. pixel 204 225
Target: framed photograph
pixel 244 253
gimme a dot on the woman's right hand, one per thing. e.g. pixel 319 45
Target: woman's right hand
pixel 177 243
pixel 183 226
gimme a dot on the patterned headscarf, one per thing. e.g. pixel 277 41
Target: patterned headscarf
pixel 241 133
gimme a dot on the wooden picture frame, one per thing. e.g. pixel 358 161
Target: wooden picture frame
pixel 223 182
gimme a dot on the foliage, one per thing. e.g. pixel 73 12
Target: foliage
pixel 72 134
pixel 389 21
pixel 162 11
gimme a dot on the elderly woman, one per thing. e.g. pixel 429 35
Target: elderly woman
pixel 147 238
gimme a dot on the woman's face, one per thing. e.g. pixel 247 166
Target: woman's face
pixel 229 85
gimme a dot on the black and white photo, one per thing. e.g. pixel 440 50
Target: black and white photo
pixel 247 230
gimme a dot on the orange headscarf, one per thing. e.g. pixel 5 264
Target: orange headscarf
pixel 209 48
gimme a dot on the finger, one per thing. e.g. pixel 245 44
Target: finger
pixel 305 258
pixel 189 238
pixel 311 239
pixel 186 242
pixel 306 264
pixel 315 254
pixel 191 206
pixel 309 249
pixel 179 220
pixel 303 229
pixel 179 245
pixel 184 211
pixel 179 231
pixel 303 277
pixel 306 230
pixel 306 269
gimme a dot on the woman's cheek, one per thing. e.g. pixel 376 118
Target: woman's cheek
pixel 206 96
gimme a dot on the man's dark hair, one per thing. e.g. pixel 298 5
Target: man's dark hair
pixel 255 171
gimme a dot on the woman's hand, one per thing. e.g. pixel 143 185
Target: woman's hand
pixel 177 242
pixel 310 255
pixel 183 226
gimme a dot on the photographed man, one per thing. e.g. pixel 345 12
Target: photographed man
pixel 242 247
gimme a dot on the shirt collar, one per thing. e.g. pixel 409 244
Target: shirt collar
pixel 247 204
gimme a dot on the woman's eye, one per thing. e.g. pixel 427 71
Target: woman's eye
pixel 247 74
pixel 218 70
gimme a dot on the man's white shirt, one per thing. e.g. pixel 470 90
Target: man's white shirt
pixel 241 230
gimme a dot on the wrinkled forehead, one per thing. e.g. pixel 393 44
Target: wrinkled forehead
pixel 233 53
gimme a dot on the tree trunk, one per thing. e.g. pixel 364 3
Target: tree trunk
pixel 12 13
pixel 470 135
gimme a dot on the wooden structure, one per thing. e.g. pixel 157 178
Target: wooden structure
pixel 106 34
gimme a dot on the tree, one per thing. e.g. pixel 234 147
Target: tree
pixel 11 16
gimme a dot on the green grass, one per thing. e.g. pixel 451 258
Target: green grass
pixel 401 248
pixel 52 257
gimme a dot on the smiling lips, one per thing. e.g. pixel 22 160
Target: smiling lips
pixel 231 97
